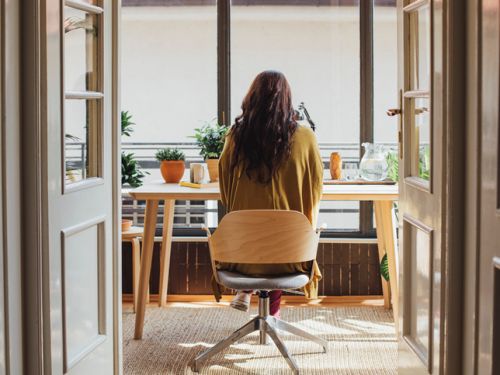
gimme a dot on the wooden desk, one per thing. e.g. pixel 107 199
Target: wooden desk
pixel 383 197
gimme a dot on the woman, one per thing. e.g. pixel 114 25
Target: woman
pixel 270 162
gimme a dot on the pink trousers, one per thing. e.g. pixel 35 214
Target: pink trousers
pixel 274 302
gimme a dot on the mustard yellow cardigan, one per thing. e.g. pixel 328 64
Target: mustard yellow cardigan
pixel 296 186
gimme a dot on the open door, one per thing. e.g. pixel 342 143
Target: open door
pixel 420 184
pixel 71 55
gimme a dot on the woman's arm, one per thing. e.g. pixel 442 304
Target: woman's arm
pixel 224 170
pixel 316 173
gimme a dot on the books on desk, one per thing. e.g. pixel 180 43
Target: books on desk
pixel 325 182
pixel 198 186
pixel 357 182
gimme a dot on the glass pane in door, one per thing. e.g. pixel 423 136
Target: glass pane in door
pixel 421 137
pixel 80 50
pixel 82 134
pixel 420 48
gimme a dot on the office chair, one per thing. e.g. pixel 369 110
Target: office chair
pixel 262 237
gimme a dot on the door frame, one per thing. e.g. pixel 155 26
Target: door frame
pixel 117 186
pixel 10 138
pixel 454 146
pixel 35 265
pixel 472 187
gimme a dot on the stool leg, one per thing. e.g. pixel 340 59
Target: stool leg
pixel 136 267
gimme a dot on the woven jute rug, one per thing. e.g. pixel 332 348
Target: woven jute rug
pixel 361 341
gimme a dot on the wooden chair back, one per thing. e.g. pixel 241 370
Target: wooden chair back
pixel 264 237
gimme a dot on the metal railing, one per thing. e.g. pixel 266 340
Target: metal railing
pixel 195 214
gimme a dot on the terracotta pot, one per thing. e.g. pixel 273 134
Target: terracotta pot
pixel 213 169
pixel 126 225
pixel 172 170
pixel 335 166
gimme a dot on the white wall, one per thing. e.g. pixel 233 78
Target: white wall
pixel 169 66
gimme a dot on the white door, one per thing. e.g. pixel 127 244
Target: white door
pixel 420 185
pixel 79 295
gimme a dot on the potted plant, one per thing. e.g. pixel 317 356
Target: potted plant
pixel 210 139
pixel 172 164
pixel 132 175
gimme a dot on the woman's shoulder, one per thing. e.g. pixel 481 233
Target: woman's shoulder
pixel 305 134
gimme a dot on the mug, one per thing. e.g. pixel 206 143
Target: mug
pixel 196 173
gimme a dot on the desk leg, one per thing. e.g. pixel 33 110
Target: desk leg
pixel 136 264
pixel 384 217
pixel 166 248
pixel 147 257
pixel 386 288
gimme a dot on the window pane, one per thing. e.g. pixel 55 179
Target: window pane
pixel 169 85
pixel 169 70
pixel 385 70
pixel 80 50
pixel 421 135
pixel 317 48
pixel 81 139
pixel 420 47
pixel 340 216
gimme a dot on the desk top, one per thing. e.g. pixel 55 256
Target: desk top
pixel 159 190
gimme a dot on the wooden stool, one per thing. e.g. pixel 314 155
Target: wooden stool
pixel 133 236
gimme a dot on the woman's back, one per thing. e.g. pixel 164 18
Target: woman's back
pixel 296 185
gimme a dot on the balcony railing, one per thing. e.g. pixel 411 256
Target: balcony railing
pixel 192 215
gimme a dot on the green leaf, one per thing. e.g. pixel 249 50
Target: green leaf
pixel 393 165
pixel 210 139
pixel 170 154
pixel 126 124
pixel 384 268
pixel 131 172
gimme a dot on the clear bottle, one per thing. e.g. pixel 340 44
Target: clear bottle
pixel 373 166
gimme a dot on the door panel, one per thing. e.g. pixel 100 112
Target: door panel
pixel 80 197
pixel 420 171
pixel 82 263
pixel 489 291
pixel 417 310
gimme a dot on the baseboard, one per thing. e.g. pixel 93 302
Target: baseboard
pixel 292 300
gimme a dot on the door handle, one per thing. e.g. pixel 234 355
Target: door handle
pixel 393 112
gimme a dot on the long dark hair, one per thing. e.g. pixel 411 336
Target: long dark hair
pixel 262 134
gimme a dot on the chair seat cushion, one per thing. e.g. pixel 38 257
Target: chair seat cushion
pixel 235 280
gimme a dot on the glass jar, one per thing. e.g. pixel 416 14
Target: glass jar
pixel 373 166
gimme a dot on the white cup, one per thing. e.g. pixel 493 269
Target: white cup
pixel 196 173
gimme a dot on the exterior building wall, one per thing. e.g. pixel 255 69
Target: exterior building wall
pixel 169 66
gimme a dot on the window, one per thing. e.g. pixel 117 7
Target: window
pixel 318 50
pixel 82 90
pixel 169 70
pixel 198 61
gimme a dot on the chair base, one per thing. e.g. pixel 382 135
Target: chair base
pixel 267 325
